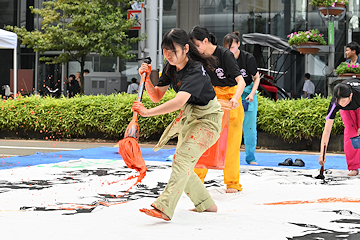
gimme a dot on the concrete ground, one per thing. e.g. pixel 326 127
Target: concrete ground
pixel 15 147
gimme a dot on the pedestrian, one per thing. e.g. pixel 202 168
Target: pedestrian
pixel 75 84
pixel 69 87
pixel 197 126
pixel 352 53
pixel 229 85
pixel 346 98
pixel 78 79
pixel 309 87
pixel 249 72
pixel 133 88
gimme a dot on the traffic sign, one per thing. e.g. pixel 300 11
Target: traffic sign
pixel 135 14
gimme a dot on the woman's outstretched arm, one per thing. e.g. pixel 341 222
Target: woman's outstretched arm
pixel 167 107
pixel 155 93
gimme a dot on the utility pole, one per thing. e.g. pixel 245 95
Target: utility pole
pixel 151 15
pixel 327 15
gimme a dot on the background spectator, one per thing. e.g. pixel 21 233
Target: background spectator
pixel 309 87
pixel 133 88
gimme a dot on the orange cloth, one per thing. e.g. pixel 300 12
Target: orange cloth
pixel 232 160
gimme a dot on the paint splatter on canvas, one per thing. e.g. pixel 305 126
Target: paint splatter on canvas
pixel 99 195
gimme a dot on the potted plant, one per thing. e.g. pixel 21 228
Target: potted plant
pixel 348 70
pixel 303 39
pixel 330 7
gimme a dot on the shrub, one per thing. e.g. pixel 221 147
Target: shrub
pixel 345 67
pixel 328 3
pixel 296 119
pixel 77 117
pixel 300 37
pixel 109 116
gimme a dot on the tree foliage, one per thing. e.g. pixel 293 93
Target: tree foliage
pixel 78 28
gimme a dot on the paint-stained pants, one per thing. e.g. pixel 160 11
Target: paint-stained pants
pixel 183 177
pixel 197 131
pixel 249 128
pixel 351 120
pixel 232 160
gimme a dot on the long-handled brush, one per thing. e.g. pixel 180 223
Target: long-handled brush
pixel 321 175
pixel 129 148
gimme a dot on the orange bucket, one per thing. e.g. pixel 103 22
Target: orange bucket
pixel 214 157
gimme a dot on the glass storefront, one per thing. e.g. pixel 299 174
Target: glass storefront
pixel 279 18
pixel 276 17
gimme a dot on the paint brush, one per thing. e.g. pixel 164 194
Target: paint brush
pixel 321 175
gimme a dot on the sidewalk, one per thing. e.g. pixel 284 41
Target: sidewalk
pixel 268 158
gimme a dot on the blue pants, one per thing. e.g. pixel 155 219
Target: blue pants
pixel 249 127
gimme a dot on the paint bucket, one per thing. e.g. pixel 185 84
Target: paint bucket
pixel 245 104
pixel 214 157
pixel 355 141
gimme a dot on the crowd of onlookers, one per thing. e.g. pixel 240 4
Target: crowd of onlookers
pixel 73 84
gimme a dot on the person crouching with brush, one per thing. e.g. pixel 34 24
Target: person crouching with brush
pixel 197 126
pixel 346 98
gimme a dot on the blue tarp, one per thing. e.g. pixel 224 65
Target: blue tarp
pixel 263 159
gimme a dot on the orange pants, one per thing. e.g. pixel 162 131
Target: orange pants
pixel 232 160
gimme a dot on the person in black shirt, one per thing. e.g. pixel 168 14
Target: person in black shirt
pixel 75 87
pixel 346 98
pixel 197 126
pixel 68 85
pixel 248 69
pixel 229 85
pixel 72 86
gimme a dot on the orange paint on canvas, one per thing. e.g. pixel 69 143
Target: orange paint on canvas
pixel 321 200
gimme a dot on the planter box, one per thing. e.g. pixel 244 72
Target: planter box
pixel 266 140
pixel 337 10
pixel 308 48
pixel 353 75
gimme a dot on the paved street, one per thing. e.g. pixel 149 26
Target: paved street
pixel 28 147
pixel 15 147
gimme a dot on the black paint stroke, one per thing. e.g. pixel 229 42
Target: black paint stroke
pixel 77 176
pixel 316 232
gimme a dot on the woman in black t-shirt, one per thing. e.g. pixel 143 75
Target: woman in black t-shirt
pixel 197 126
pixel 229 85
pixel 346 98
pixel 248 69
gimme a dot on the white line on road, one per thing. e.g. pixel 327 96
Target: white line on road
pixel 41 148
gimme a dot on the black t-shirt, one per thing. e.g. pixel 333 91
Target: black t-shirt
pixel 75 87
pixel 226 70
pixel 355 101
pixel 247 65
pixel 192 79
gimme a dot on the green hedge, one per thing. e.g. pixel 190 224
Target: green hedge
pixel 296 119
pixel 109 116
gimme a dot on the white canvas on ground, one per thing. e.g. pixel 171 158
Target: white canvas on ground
pixel 87 199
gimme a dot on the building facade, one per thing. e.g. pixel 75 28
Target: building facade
pixel 275 17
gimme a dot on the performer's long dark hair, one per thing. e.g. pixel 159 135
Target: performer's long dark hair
pixel 230 38
pixel 200 33
pixel 341 90
pixel 180 37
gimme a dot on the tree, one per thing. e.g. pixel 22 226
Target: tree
pixel 78 28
